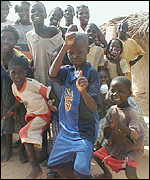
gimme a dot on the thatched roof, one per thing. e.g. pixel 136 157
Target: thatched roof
pixel 138 24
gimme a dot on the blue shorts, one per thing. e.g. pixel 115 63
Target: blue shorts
pixel 75 150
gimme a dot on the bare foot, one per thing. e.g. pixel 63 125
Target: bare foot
pixel 35 173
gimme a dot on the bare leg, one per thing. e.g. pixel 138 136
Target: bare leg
pixel 22 154
pixel 36 170
pixel 131 172
pixel 7 147
pixel 107 174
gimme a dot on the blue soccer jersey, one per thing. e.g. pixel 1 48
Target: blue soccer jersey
pixel 76 119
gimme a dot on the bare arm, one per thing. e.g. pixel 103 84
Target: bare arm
pixel 82 84
pixel 58 62
pixel 89 101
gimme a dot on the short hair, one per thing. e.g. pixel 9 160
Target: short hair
pixel 19 8
pixel 94 26
pixel 11 29
pixel 80 7
pixel 71 8
pixel 123 80
pixel 82 37
pixel 59 9
pixel 114 39
pixel 72 28
pixel 41 5
pixel 19 61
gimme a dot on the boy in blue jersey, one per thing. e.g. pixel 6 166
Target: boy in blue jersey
pixel 72 152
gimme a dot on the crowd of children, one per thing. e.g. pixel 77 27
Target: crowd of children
pixel 70 82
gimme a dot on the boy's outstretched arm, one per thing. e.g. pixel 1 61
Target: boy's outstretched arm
pixel 58 62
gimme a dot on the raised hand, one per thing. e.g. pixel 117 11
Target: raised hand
pixel 82 82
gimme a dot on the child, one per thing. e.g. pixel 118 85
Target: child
pixel 104 86
pixel 96 53
pixel 34 96
pixel 132 51
pixel 124 133
pixel 7 124
pixel 9 38
pixel 72 152
pixel 23 25
pixel 115 64
pixel 42 41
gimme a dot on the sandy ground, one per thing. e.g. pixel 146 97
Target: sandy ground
pixel 13 169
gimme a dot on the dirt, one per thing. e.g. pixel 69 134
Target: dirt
pixel 14 169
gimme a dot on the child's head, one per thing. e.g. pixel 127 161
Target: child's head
pixel 122 29
pixel 82 13
pixel 55 16
pixel 23 11
pixel 114 49
pixel 104 76
pixel 120 89
pixel 72 28
pixel 92 30
pixel 69 14
pixel 78 52
pixel 18 68
pixel 9 38
pixel 38 12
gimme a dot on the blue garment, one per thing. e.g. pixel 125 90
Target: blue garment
pixel 75 117
pixel 79 125
pixel 76 150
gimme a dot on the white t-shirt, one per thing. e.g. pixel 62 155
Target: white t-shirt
pixel 33 95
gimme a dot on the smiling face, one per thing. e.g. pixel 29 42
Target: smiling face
pixel 92 33
pixel 83 15
pixel 119 92
pixel 38 13
pixel 8 41
pixel 69 14
pixel 115 49
pixel 17 75
pixel 77 54
pixel 55 17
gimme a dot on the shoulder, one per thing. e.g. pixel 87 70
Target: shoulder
pixel 130 40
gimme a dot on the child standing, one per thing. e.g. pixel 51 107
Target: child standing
pixel 96 53
pixel 34 96
pixel 115 64
pixel 72 152
pixel 124 133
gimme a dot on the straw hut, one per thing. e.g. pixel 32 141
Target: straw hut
pixel 139 31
